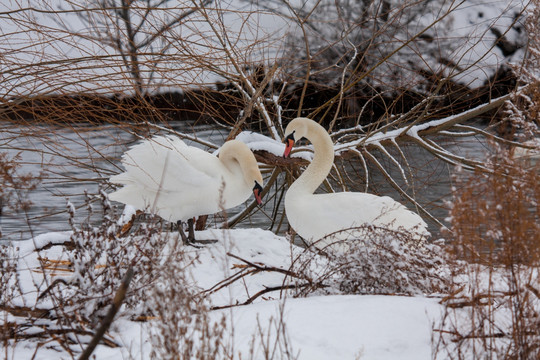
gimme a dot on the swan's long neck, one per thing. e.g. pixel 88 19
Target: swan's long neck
pixel 323 159
pixel 234 154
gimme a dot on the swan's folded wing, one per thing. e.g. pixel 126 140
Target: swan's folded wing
pixel 382 211
pixel 169 178
pixel 166 165
pixel 322 214
pixel 199 160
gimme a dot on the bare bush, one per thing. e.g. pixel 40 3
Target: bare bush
pixel 15 191
pixel 100 257
pixel 183 328
pixel 376 261
pixel 73 294
pixel 8 273
pixel 15 187
pixel 10 291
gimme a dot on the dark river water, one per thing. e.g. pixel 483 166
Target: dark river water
pixel 72 160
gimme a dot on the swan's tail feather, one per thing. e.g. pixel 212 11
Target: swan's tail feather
pixel 122 179
pixel 131 195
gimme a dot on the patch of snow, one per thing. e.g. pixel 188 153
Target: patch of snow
pixel 257 141
pixel 127 214
pixel 342 327
pixel 318 327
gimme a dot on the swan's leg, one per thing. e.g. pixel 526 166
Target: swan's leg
pixel 185 240
pixel 190 239
pixel 191 231
pixel 191 235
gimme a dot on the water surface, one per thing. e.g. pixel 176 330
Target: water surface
pixel 75 160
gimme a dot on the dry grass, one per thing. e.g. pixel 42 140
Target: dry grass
pixel 495 216
pixel 493 311
pixel 496 229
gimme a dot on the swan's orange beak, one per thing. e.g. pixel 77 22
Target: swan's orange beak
pixel 289 143
pixel 257 192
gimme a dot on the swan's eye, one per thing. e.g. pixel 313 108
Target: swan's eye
pixel 290 137
pixel 289 143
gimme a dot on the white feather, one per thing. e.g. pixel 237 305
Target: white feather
pixel 166 177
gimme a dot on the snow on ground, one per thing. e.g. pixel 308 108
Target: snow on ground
pixel 317 327
pixel 322 327
pixel 343 327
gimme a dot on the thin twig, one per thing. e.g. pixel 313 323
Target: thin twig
pixel 107 321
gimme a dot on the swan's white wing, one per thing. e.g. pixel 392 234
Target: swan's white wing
pixel 173 179
pixel 384 211
pixel 316 216
pixel 168 165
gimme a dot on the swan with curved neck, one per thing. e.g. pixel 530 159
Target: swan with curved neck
pixel 315 216
pixel 177 182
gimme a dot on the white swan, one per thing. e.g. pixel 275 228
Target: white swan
pixel 178 182
pixel 314 216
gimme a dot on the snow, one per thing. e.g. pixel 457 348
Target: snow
pixel 41 241
pixel 257 141
pixel 373 325
pixel 317 327
pixel 127 215
pixel 342 327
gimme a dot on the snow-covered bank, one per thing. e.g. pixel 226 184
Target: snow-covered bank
pixel 329 327
pixel 317 327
